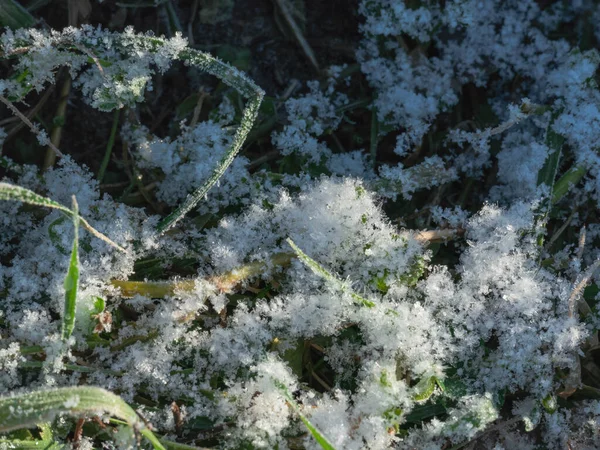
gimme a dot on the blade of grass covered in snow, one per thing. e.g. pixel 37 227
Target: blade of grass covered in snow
pixel 324 273
pixel 245 87
pixel 32 408
pixel 225 282
pixel 71 280
pixel 17 193
pixel 153 289
pixel 319 437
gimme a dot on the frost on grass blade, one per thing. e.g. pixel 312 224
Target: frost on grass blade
pixel 123 62
pixel 33 408
pixel 319 437
pixel 322 272
pixel 71 280
pixel 17 193
pixel 246 88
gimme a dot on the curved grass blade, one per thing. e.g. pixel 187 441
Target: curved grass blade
pixel 247 88
pixel 28 410
pixel 71 280
pixel 12 192
pixel 324 273
pixel 314 431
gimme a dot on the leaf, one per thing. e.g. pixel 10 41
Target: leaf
pixel 322 272
pixel 319 437
pixel 13 15
pixel 426 387
pixel 421 412
pixel 99 305
pixel 72 280
pixel 32 408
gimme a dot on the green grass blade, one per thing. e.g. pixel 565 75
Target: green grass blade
pixel 322 440
pixel 13 15
pixel 568 180
pixel 246 87
pixel 12 192
pixel 19 194
pixel 314 431
pixel 324 273
pixel 554 141
pixel 109 146
pixel 28 410
pixel 71 280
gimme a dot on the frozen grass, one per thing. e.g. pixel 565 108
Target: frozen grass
pixel 438 195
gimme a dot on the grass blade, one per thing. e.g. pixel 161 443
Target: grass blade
pixel 13 15
pixel 225 282
pixel 109 146
pixel 245 87
pixel 324 273
pixel 554 141
pixel 12 192
pixel 569 179
pixel 71 280
pixel 28 410
pixel 19 194
pixel 314 431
